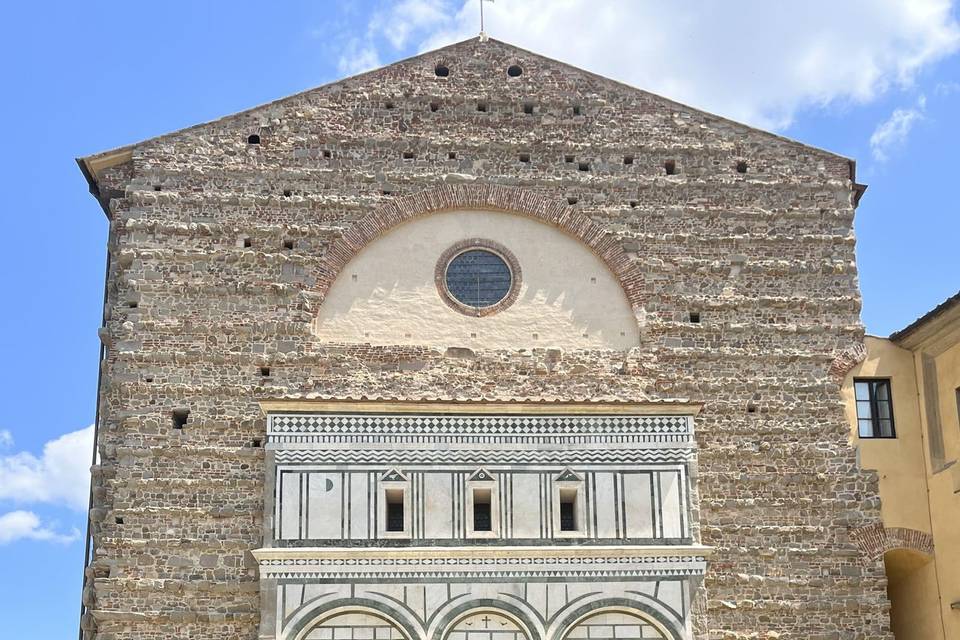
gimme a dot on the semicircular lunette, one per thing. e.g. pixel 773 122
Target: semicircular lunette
pixel 528 286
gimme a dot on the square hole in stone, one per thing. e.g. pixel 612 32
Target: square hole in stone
pixel 627 159
pixel 247 243
pixel 524 157
pixel 288 245
pixel 695 317
pixel 568 159
pixel 528 108
pixel 583 166
pixel 452 155
pixel 265 372
pixel 179 418
pixel 482 107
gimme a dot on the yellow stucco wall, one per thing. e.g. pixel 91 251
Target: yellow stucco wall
pixel 900 461
pixel 914 493
pixel 943 485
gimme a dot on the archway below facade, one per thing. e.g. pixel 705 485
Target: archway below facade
pixel 616 625
pixel 911 575
pixel 355 625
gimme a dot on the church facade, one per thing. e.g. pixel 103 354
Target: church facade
pixel 478 346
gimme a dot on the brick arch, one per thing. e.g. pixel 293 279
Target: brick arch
pixel 524 202
pixel 875 540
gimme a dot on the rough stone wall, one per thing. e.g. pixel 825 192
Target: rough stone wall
pixel 766 257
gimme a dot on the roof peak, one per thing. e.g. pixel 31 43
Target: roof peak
pixel 92 165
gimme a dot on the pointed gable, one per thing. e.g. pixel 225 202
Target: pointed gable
pixel 568 475
pixel 393 475
pixel 460 94
pixel 481 475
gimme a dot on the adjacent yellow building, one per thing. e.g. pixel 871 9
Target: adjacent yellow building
pixel 903 404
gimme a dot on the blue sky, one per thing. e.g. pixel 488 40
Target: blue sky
pixel 876 80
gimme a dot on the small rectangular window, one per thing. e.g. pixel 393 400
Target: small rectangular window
pixel 874 408
pixel 482 520
pixel 568 510
pixel 395 515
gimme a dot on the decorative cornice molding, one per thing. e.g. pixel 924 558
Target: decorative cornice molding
pixel 446 406
pixel 600 562
pixel 475 553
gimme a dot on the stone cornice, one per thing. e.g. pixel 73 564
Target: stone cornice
pixel 340 564
pixel 478 554
pixel 528 407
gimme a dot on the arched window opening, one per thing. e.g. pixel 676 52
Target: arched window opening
pixel 616 625
pixel 356 625
pixel 486 625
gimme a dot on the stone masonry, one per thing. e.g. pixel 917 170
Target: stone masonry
pixel 222 247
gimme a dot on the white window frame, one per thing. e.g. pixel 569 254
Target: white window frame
pixel 493 487
pixel 390 486
pixel 562 488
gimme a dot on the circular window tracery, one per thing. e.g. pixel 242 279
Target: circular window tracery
pixel 478 277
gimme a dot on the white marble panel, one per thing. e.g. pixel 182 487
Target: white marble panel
pixel 670 504
pixel 324 511
pixel 527 517
pixel 289 505
pixel 437 505
pixel 638 505
pixel 359 506
pixel 605 506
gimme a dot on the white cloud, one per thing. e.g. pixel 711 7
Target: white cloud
pixel 358 57
pixel 6 439
pixel 407 17
pixel 757 61
pixel 893 132
pixel 60 476
pixel 947 88
pixel 20 525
